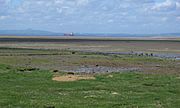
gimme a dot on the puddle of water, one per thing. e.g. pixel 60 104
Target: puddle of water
pixel 177 58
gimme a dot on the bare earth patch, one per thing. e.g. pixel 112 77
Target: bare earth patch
pixel 67 78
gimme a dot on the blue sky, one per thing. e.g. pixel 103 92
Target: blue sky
pixel 92 16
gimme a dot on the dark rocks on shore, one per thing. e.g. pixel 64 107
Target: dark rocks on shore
pixel 55 71
pixel 98 69
pixel 27 69
pixel 70 73
pixel 73 52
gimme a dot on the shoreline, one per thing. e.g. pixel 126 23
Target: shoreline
pixel 98 37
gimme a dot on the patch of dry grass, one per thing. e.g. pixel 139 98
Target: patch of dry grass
pixel 67 78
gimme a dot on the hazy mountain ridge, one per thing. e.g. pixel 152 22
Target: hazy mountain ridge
pixel 27 32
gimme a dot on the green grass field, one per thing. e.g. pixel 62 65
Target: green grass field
pixel 36 89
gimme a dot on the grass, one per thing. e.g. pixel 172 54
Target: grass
pixel 24 82
pixel 36 89
pixel 64 59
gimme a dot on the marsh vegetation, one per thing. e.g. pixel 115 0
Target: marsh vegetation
pixel 33 75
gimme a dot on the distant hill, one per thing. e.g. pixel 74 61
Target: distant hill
pixel 30 32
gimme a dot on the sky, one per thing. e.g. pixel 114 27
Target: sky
pixel 92 16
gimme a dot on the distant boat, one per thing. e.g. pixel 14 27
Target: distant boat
pixel 69 34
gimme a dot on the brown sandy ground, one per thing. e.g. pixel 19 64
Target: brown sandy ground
pixel 67 78
pixel 155 45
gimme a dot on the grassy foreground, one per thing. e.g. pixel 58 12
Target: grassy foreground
pixel 36 89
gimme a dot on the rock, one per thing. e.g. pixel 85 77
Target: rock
pixel 151 54
pixel 158 65
pixel 115 93
pixel 55 71
pixel 70 73
pixel 73 52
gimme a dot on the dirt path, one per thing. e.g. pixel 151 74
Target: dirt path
pixel 68 78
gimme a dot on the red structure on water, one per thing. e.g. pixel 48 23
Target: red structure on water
pixel 69 34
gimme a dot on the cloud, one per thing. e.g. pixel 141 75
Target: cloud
pixel 178 5
pixel 178 18
pixel 74 14
pixel 3 17
pixel 110 21
pixel 49 7
pixel 168 5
